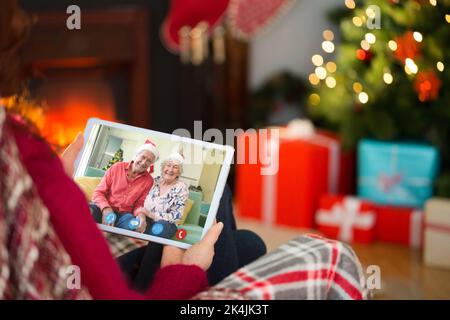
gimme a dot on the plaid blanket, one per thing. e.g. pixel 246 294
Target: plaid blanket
pixel 119 245
pixel 33 262
pixel 308 267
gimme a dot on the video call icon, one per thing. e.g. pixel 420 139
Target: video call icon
pixel 157 228
pixel 181 234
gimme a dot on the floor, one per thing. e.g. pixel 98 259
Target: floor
pixel 403 276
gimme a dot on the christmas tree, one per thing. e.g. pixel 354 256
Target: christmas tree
pixel 118 157
pixel 390 79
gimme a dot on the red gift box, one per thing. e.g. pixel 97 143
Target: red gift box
pixel 346 176
pixel 308 166
pixel 345 218
pixel 400 225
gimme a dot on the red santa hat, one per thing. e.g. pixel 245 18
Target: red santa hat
pixel 149 146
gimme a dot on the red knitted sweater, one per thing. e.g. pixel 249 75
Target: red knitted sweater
pixel 70 216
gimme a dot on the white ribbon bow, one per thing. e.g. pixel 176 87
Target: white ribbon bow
pixel 346 215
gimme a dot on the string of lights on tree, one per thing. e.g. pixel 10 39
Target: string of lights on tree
pixel 388 80
pixel 405 49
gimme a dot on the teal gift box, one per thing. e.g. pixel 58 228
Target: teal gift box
pixel 396 173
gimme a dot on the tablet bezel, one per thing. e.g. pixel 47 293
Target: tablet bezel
pixel 220 185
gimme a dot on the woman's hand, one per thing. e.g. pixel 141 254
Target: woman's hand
pixel 142 223
pixel 141 211
pixel 69 155
pixel 105 213
pixel 200 254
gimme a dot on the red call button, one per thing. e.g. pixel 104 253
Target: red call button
pixel 181 234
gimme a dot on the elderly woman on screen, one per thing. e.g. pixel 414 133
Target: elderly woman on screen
pixel 166 200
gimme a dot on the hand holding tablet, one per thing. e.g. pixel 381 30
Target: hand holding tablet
pixel 200 254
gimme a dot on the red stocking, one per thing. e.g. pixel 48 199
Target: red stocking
pixel 248 17
pixel 190 13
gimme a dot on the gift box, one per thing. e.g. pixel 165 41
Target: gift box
pixel 307 165
pixel 400 225
pixel 346 171
pixel 399 174
pixel 346 218
pixel 436 251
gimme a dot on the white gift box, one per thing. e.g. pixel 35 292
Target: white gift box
pixel 437 233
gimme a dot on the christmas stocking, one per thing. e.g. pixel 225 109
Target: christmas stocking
pixel 248 17
pixel 190 13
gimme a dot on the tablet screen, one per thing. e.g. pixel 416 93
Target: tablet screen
pixel 151 185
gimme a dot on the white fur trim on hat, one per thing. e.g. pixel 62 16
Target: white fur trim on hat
pixel 177 157
pixel 149 146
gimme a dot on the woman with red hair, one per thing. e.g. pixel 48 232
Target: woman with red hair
pixel 45 222
pixel 46 227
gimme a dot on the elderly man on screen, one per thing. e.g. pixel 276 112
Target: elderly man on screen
pixel 123 189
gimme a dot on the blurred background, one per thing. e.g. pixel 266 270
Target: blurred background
pixel 359 89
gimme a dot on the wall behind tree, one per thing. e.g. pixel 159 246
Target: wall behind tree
pixel 290 42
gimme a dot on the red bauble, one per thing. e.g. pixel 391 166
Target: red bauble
pixel 407 47
pixel 427 86
pixel 357 107
pixel 364 55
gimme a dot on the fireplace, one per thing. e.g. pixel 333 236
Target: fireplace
pixel 99 71
pixel 70 101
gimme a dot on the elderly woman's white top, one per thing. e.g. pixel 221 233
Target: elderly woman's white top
pixel 169 206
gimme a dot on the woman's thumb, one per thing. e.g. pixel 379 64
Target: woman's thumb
pixel 213 234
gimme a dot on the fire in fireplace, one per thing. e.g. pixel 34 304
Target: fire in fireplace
pixel 70 103
pixel 99 71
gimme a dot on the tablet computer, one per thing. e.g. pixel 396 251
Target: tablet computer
pixel 151 185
